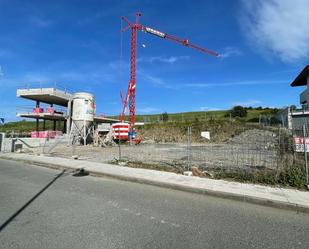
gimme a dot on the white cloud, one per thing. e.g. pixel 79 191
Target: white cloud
pixel 36 77
pixel 101 14
pixel 153 79
pixel 251 102
pixel 120 64
pixel 148 110
pixel 279 27
pixel 8 112
pixel 234 83
pixel 230 51
pixel 163 59
pixel 40 22
pixel 6 53
pixel 26 80
pixel 206 108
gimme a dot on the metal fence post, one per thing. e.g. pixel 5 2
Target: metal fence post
pixel 119 149
pixel 305 153
pixel 189 133
pixel 278 156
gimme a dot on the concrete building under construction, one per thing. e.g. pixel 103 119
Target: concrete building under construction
pixel 71 114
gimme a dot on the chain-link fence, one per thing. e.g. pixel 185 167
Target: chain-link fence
pixel 270 154
pixel 261 154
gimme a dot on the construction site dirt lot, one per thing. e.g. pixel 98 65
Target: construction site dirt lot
pixel 252 149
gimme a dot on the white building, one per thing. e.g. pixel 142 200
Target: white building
pixel 300 116
pixel 303 80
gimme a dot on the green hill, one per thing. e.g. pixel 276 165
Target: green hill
pixel 252 116
pixel 24 126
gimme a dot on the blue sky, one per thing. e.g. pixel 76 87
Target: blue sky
pixel 77 45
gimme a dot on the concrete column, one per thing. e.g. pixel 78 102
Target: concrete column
pixel 54 128
pixel 37 125
pixel 64 126
pixel 69 116
pixel 85 133
pixel 2 137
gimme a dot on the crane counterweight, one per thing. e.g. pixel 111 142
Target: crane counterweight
pixel 154 32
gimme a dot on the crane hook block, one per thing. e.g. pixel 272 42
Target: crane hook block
pixel 185 42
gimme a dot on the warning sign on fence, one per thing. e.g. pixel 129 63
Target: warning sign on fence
pixel 300 143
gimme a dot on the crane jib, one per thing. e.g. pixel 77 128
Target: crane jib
pixel 154 32
pixel 130 95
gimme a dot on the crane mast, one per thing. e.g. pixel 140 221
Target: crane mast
pixel 130 95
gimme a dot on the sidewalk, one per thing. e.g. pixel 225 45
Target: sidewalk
pixel 270 196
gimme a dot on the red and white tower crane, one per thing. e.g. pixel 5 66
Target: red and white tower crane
pixel 130 95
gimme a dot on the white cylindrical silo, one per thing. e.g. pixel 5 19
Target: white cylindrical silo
pixel 83 109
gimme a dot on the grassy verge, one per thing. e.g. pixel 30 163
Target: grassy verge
pixel 292 176
pixel 142 165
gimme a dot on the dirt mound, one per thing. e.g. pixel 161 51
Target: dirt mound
pixel 256 137
pixel 220 131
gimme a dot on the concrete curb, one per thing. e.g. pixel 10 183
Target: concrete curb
pixel 221 194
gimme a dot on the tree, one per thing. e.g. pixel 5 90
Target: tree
pixel 293 107
pixel 165 117
pixel 238 111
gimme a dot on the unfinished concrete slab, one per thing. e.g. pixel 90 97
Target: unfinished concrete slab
pixel 44 116
pixel 45 95
pixel 99 119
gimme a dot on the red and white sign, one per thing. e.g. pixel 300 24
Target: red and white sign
pixel 300 143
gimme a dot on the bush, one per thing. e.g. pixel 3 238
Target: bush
pixel 237 111
pixel 165 117
pixel 293 176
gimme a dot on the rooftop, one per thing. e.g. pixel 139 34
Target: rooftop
pixel 44 116
pixel 45 95
pixel 301 79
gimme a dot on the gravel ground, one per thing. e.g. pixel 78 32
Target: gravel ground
pixel 251 149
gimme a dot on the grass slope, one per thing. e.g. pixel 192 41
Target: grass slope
pixel 252 116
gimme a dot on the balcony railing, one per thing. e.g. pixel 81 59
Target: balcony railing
pixel 303 110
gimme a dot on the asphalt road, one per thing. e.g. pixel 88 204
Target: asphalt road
pixel 91 212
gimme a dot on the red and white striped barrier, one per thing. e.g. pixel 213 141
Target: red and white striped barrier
pixel 120 131
pixel 46 134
